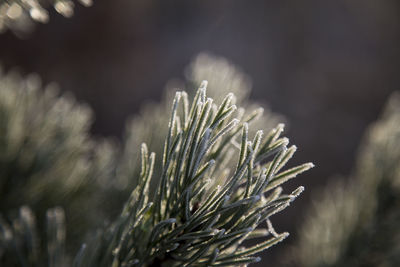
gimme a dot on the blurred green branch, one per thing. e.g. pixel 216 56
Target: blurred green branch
pixel 357 223
pixel 47 157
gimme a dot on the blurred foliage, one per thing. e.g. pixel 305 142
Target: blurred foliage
pixel 19 15
pixel 357 223
pixel 22 245
pixel 47 158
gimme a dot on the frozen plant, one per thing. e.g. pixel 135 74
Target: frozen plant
pixel 204 207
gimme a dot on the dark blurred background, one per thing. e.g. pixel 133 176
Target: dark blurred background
pixel 328 66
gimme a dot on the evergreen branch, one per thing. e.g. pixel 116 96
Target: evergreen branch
pixel 215 183
pixel 224 78
pixel 201 212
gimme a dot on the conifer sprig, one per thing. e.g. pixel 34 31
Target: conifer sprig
pixel 202 210
pixel 224 77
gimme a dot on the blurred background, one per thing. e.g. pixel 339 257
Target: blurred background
pixel 327 66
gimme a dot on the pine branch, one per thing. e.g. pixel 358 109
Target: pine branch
pixel 356 224
pixel 205 206
pixel 202 210
pixel 224 78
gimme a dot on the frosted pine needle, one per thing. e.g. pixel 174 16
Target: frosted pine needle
pixel 201 211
